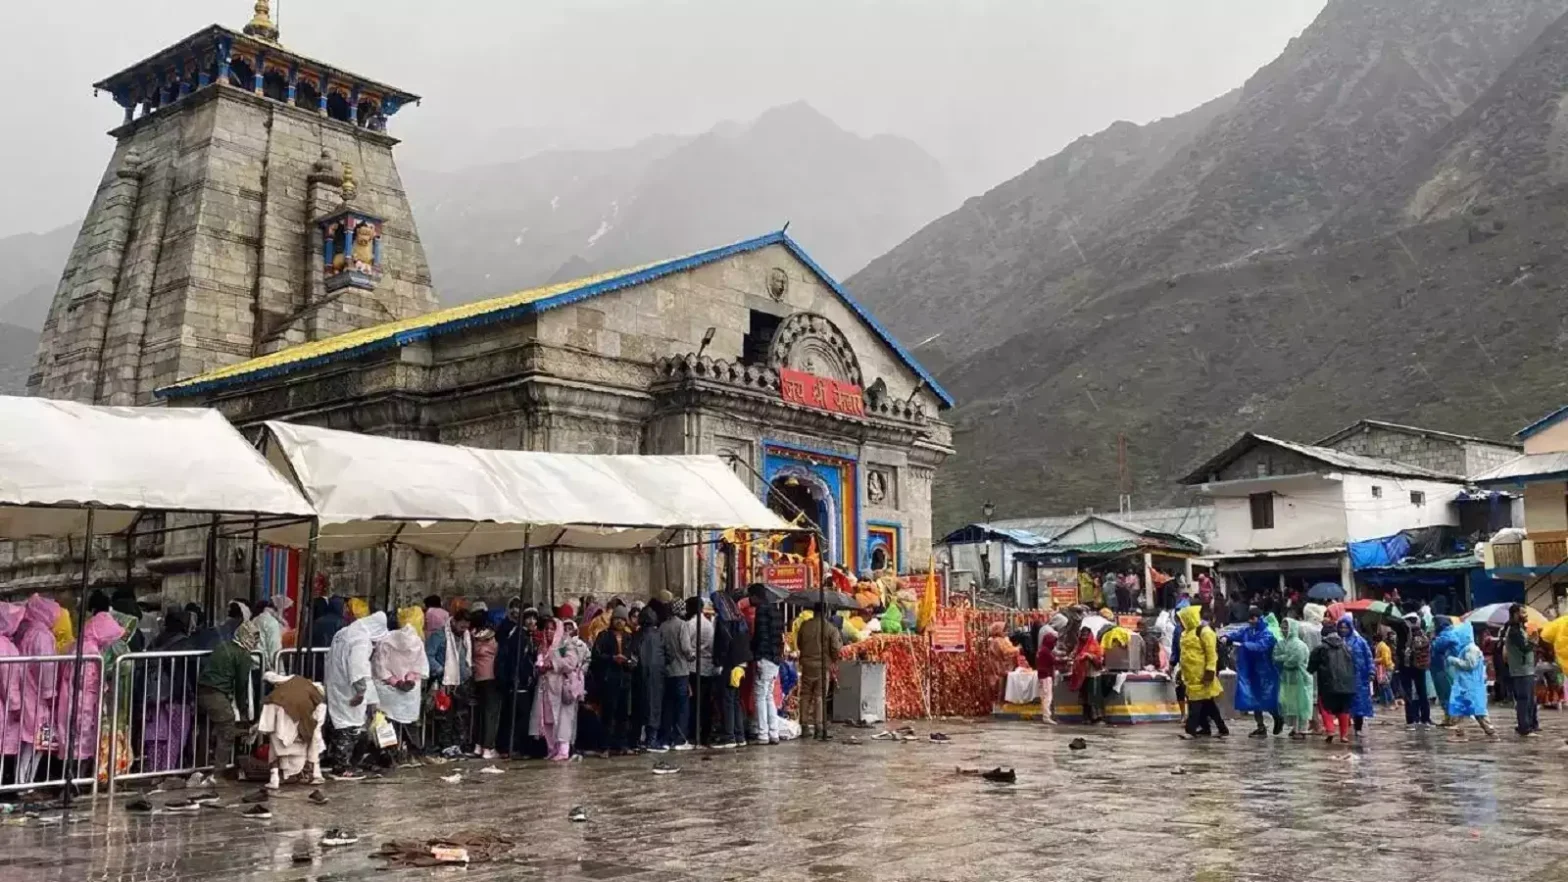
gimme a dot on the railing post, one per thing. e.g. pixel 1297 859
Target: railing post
pixel 76 669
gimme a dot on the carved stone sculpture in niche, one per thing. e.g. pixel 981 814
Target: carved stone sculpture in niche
pixel 778 283
pixel 879 487
pixel 810 342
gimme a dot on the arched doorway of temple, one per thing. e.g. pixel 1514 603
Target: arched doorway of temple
pixel 792 495
pixel 879 559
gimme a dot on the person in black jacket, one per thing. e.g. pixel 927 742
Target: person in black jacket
pixel 767 648
pixel 731 654
pixel 517 676
pixel 612 675
pixel 648 688
pixel 1335 669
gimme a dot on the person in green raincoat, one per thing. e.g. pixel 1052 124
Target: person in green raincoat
pixel 1296 689
pixel 893 620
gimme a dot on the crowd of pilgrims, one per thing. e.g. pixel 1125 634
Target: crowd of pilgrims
pixel 446 678
pixel 1310 668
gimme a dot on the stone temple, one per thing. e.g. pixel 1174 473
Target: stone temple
pixel 251 250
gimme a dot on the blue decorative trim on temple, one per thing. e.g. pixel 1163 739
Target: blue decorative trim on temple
pixel 222 57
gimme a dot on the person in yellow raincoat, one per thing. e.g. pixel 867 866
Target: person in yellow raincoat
pixel 1555 637
pixel 1200 674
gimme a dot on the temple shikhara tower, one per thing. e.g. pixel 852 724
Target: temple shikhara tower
pixel 252 203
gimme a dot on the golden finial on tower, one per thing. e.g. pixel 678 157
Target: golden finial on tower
pixel 349 188
pixel 261 26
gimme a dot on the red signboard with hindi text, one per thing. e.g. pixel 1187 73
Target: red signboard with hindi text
pixel 821 393
pixel 790 577
pixel 947 632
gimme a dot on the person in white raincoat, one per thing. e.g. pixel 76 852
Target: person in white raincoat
pixel 399 667
pixel 351 689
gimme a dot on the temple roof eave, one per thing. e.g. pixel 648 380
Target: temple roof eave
pixel 183 48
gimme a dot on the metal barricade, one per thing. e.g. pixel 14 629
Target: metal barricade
pixel 168 734
pixel 42 685
pixel 311 663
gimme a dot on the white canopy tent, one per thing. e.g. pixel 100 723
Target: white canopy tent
pixel 60 459
pixel 452 501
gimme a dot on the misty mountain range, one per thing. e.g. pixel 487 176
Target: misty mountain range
pixel 1370 226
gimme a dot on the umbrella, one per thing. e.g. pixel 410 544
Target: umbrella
pixel 1326 591
pixel 834 599
pixel 1373 608
pixel 776 594
pixel 1497 614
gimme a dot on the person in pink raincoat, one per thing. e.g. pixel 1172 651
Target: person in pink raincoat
pixel 39 682
pixel 100 633
pixel 10 682
pixel 561 688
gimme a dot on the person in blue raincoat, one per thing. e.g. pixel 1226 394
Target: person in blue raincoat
pixel 1466 666
pixel 1361 651
pixel 1257 680
pixel 1442 646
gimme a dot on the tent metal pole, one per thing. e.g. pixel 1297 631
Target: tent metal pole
pixel 307 598
pixel 255 565
pixel 71 763
pixel 210 571
pixel 517 646
pixel 550 560
pixel 387 587
pixel 822 649
pixel 130 552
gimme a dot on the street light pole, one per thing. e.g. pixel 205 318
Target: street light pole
pixel 987 510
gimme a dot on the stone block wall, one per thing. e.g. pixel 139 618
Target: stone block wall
pixel 202 218
pixel 1440 454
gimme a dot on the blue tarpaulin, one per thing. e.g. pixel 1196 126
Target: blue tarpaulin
pixel 1383 552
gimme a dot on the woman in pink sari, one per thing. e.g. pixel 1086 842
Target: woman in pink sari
pixel 561 687
pixel 100 633
pixel 10 683
pixel 39 682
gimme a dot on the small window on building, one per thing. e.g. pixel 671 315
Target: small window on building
pixel 1418 497
pixel 759 338
pixel 1263 469
pixel 1377 492
pixel 1262 511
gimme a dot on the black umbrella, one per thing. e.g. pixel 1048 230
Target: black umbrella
pixel 776 594
pixel 1328 591
pixel 834 599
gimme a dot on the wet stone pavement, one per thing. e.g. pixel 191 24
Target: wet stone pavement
pixel 1136 804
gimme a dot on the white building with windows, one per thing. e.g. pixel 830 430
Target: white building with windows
pixel 1285 513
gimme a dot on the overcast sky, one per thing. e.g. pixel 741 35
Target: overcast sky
pixel 987 86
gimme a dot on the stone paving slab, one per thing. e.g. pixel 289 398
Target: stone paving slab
pixel 1402 805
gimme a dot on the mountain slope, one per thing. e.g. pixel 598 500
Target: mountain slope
pixel 847 199
pixel 1220 294
pixel 1510 144
pixel 983 254
pixel 1357 95
pixel 17 346
pixel 30 267
pixel 1432 326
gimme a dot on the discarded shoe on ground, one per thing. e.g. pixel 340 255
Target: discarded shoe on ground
pixel 1077 744
pixel 1000 776
pixel 317 797
pixel 577 815
pixel 258 796
pixel 139 806
pixel 337 836
pixel 664 768
pixel 257 813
